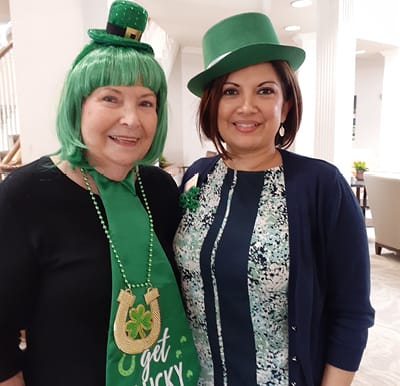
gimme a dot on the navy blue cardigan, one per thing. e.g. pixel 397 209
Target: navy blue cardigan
pixel 329 277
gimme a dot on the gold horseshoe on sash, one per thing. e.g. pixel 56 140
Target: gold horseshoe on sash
pixel 124 342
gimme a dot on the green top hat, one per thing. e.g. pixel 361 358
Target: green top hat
pixel 126 23
pixel 240 41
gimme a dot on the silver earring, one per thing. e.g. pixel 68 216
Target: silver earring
pixel 281 130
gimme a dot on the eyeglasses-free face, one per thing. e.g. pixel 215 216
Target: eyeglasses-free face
pixel 251 110
pixel 118 126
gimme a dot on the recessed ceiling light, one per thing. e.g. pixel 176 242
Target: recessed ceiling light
pixel 301 3
pixel 291 28
pixel 360 52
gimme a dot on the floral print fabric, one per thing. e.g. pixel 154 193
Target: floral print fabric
pixel 267 273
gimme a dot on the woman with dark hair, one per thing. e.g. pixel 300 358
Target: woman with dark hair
pixel 86 233
pixel 272 246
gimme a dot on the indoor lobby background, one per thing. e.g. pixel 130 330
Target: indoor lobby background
pixel 350 103
pixel 47 35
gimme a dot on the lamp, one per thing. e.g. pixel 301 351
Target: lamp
pixel 291 28
pixel 301 3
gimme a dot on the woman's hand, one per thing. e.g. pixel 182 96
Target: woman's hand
pixel 334 376
pixel 16 380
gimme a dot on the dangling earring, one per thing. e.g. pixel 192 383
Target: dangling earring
pixel 281 130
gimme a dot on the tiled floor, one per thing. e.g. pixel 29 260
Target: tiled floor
pixel 381 362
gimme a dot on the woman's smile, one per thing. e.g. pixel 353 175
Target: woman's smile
pixel 118 126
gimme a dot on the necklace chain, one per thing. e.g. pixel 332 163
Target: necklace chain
pixel 147 283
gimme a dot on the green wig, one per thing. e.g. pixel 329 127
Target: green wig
pixel 100 65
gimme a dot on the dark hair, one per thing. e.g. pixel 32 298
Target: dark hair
pixel 207 117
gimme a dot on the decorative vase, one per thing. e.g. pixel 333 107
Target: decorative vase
pixel 360 175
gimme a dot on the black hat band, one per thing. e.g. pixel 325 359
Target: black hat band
pixel 126 32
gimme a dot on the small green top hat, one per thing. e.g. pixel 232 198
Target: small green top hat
pixel 126 23
pixel 240 41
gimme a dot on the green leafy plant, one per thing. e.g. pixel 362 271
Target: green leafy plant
pixel 162 161
pixel 360 166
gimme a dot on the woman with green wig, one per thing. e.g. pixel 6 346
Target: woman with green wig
pixel 86 268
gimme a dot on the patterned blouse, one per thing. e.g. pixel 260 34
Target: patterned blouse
pixel 233 254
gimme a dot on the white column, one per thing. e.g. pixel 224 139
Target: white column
pixel 390 127
pixel 335 82
pixel 266 6
pixel 304 143
pixel 193 148
pixel 165 48
pixel 174 145
pixel 47 36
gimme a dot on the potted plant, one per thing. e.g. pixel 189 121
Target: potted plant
pixel 360 167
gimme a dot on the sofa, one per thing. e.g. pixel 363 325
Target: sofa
pixel 383 192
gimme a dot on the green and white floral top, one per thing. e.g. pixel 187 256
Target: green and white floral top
pixel 233 254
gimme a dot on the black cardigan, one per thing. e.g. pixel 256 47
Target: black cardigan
pixel 329 276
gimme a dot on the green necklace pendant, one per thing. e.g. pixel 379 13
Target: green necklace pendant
pixel 126 343
pixel 135 329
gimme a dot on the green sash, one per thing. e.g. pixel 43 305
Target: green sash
pixel 172 359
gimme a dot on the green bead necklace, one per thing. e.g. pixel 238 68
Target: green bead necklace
pixel 129 285
pixel 126 298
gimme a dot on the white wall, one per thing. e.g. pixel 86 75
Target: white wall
pixel 378 21
pixel 368 88
pixel 173 150
pixel 44 48
pixel 193 148
pixel 389 156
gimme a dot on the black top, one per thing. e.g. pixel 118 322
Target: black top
pixel 55 276
pixel 234 302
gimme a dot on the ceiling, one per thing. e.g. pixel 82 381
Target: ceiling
pixel 187 20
